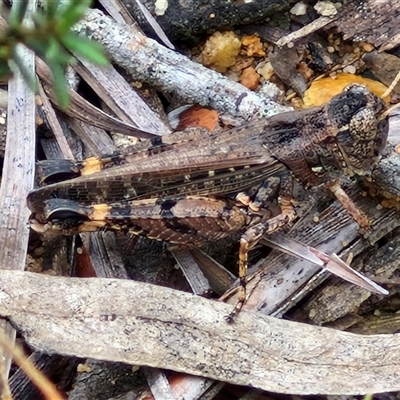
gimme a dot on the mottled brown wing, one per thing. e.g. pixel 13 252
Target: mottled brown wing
pixel 200 171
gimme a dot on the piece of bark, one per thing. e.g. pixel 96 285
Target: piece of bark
pixel 284 61
pixel 55 125
pixel 337 299
pixel 188 21
pixel 384 66
pixel 96 140
pixel 158 384
pixel 145 60
pixel 104 380
pixel 179 331
pixel 52 366
pixel 193 274
pixel 122 99
pixel 3 130
pixel 372 21
pixel 83 110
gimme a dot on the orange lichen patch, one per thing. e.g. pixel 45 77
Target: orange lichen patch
pixel 321 91
pixel 197 116
pixel 250 78
pixel 253 46
pixel 91 165
pixel 221 50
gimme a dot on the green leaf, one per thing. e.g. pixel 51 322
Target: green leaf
pixel 5 71
pixel 56 54
pixel 85 47
pixel 17 13
pixel 17 64
pixel 51 8
pixel 52 49
pixel 60 85
pixel 37 46
pixel 71 14
pixel 39 20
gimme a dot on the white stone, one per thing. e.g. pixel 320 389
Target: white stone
pixel 326 8
pixel 299 9
pixel 266 70
pixel 160 7
pixel 349 69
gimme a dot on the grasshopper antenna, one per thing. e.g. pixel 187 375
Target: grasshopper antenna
pixel 392 85
pixel 389 90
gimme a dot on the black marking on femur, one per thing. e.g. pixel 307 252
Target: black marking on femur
pixel 175 224
pixel 166 208
pixel 157 141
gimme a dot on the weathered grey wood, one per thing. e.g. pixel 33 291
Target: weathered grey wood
pixel 146 60
pixel 17 178
pixel 372 21
pixel 158 384
pixel 55 125
pixel 193 274
pixel 150 325
pixel 122 99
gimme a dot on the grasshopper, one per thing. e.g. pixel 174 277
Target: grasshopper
pixel 190 188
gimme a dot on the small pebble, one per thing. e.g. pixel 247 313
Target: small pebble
pixel 266 71
pixel 368 47
pixel 330 49
pixel 349 69
pixel 160 6
pixel 299 9
pixel 83 368
pixel 325 8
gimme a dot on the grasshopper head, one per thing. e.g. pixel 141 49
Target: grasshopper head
pixel 357 116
